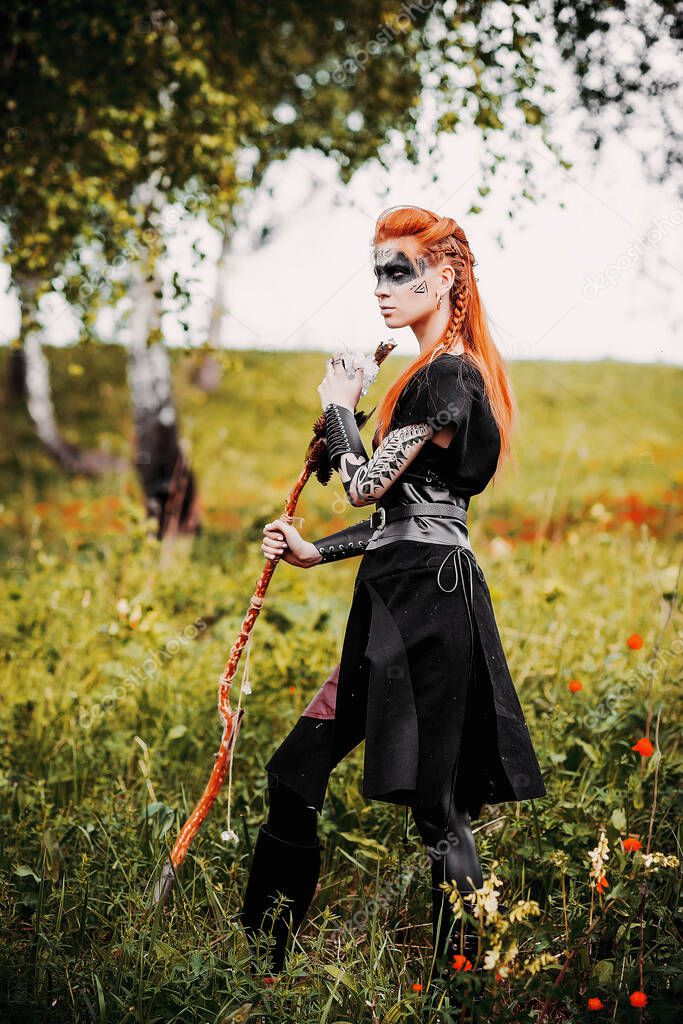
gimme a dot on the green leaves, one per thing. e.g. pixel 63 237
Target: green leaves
pixel 176 732
pixel 341 976
pixel 53 860
pixel 368 846
pixel 602 972
pixel 58 777
pixel 25 871
pixel 618 819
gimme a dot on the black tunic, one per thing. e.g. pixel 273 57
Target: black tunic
pixel 423 677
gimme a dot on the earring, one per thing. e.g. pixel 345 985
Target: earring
pixel 438 305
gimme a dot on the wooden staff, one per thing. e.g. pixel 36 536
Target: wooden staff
pixel 316 461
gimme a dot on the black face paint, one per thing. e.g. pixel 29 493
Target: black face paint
pixel 393 268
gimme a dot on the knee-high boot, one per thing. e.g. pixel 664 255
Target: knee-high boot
pixel 279 868
pixel 454 858
pixel 446 930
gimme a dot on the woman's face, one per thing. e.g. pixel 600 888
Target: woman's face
pixel 407 287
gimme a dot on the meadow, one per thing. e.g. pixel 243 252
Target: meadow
pixel 111 648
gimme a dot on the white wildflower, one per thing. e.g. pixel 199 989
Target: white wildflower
pixel 524 908
pixel 560 859
pixel 542 960
pixel 491 958
pixel 598 858
pixel 655 861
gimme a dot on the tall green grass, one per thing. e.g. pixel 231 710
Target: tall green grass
pixel 108 721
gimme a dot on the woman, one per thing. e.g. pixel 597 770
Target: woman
pixel 423 678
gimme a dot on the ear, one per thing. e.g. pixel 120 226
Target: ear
pixel 446 277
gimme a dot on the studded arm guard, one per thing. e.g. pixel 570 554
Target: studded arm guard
pixel 342 434
pixel 352 540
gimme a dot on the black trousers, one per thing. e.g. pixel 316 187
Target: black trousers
pixel 444 828
pixel 443 825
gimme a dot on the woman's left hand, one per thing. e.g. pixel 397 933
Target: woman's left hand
pixel 338 388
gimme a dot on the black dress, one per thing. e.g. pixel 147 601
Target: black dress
pixel 423 677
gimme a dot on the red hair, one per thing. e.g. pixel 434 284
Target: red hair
pixel 440 239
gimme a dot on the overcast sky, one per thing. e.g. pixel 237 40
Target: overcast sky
pixel 601 277
pixel 598 278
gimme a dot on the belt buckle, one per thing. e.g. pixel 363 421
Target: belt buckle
pixel 378 524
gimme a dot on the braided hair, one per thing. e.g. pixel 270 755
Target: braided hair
pixel 442 239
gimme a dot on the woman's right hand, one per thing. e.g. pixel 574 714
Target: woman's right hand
pixel 282 540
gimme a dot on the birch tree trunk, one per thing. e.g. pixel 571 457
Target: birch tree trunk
pixel 213 339
pixel 163 467
pixel 39 402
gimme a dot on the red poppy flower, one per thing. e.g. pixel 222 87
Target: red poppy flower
pixel 602 884
pixel 635 641
pixel 644 747
pixel 638 999
pixel 575 685
pixel 417 986
pixel 595 1004
pixel 461 963
pixel 267 980
pixel 631 844
pixel 292 689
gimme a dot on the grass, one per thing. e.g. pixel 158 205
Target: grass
pixel 108 722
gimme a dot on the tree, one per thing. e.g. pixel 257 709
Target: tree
pixel 626 63
pixel 195 101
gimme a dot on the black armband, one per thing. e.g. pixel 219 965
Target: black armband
pixel 352 540
pixel 342 434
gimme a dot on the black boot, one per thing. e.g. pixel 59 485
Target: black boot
pixel 446 935
pixel 279 867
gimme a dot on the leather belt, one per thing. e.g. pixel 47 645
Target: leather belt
pixel 438 509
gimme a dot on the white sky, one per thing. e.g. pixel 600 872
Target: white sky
pixel 312 285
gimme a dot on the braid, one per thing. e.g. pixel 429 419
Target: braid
pixel 439 240
pixel 458 322
pixel 458 315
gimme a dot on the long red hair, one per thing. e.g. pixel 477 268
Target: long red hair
pixel 442 239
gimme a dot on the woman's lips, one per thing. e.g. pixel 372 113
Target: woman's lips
pixel 387 309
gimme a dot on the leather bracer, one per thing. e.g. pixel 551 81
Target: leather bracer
pixel 352 540
pixel 342 434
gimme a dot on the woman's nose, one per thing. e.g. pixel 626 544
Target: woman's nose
pixel 381 288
